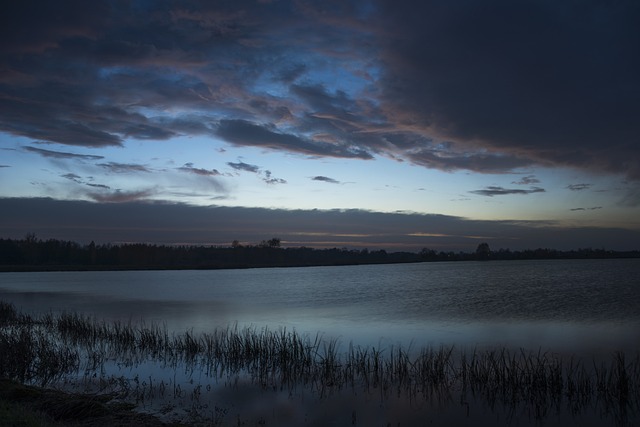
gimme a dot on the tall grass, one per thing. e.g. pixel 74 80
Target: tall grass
pixel 47 348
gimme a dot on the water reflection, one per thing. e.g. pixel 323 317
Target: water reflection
pixel 581 308
pixel 250 369
pixel 579 305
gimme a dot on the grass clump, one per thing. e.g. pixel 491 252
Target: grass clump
pixel 45 349
pixel 27 406
pixel 13 414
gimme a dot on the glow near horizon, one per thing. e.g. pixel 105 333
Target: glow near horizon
pixel 381 184
pixel 455 118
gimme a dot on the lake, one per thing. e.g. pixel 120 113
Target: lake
pixel 587 308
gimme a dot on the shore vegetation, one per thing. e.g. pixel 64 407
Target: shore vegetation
pixel 33 254
pixel 71 352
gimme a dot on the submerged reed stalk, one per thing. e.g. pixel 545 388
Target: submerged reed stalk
pixel 45 349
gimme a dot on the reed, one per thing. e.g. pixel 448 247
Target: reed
pixel 8 314
pixel 31 355
pixel 45 349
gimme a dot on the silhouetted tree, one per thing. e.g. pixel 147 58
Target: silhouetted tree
pixel 427 254
pixel 274 243
pixel 271 243
pixel 483 252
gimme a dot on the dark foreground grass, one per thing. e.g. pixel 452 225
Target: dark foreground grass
pixel 28 406
pixel 44 350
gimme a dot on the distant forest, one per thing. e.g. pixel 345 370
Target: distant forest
pixel 32 254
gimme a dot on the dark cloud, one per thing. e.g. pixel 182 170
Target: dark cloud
pixel 84 77
pixel 267 176
pixel 491 87
pixel 275 181
pixel 78 180
pixel 5 166
pixel 241 166
pixel 90 184
pixel 552 82
pixel 319 100
pixel 269 179
pixel 188 167
pixel 579 187
pixel 500 191
pixel 178 223
pixel 594 208
pixel 116 78
pixel 123 167
pixel 325 179
pixel 73 177
pixel 27 25
pixel 244 133
pixel 527 180
pixel 61 154
pixel 480 162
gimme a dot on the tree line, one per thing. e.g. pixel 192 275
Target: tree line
pixel 31 253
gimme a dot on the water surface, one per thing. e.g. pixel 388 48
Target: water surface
pixel 586 308
pixel 559 305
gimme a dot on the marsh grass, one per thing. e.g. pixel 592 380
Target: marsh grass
pixel 52 348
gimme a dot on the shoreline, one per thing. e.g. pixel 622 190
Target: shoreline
pixel 28 405
pixel 51 349
pixel 32 254
pixel 98 268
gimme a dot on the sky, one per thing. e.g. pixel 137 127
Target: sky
pixel 377 124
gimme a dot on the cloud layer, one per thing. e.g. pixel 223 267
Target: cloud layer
pixel 501 191
pixel 164 223
pixel 495 86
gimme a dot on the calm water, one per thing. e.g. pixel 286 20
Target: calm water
pixel 583 306
pixel 588 308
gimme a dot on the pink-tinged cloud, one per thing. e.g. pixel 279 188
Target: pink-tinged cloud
pixel 120 196
pixel 492 87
